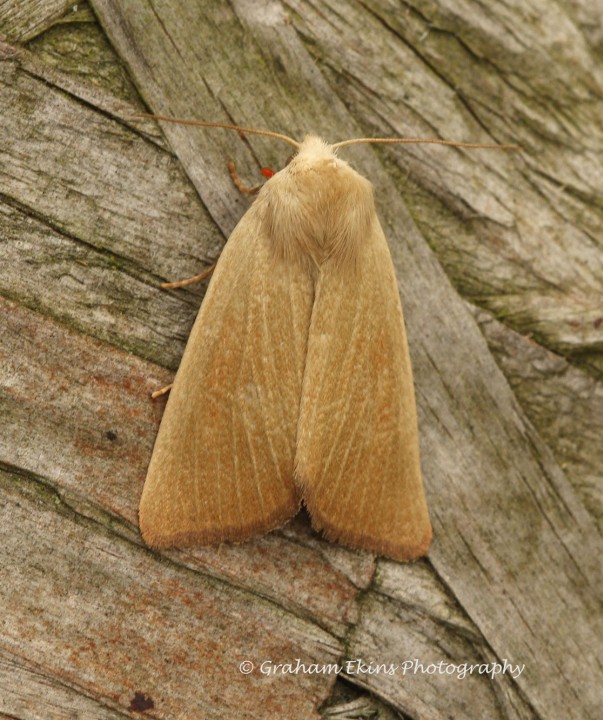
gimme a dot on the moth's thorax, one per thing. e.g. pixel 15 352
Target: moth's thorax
pixel 318 207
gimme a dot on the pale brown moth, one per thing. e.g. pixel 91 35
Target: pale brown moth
pixel 296 384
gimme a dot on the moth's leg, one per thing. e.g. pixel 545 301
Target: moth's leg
pixel 178 284
pixel 163 391
pixel 191 280
pixel 239 184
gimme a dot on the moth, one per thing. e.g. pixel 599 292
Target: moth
pixel 296 384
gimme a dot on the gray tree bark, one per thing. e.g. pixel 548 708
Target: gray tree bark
pixel 500 266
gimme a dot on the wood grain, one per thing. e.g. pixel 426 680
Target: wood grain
pixel 22 20
pixel 564 404
pixel 148 627
pixel 97 210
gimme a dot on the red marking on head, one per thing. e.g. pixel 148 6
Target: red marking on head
pixel 267 172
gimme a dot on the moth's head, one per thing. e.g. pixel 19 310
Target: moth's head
pixel 317 207
pixel 316 163
pixel 314 149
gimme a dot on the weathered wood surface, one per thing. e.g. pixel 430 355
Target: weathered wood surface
pixel 24 20
pixel 97 210
pixel 564 404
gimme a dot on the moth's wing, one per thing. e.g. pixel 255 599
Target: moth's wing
pixel 222 466
pixel 357 457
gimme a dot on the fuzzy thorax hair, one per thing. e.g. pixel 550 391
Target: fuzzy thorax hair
pixel 317 208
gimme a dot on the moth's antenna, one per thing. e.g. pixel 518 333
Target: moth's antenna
pixel 249 131
pixel 451 143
